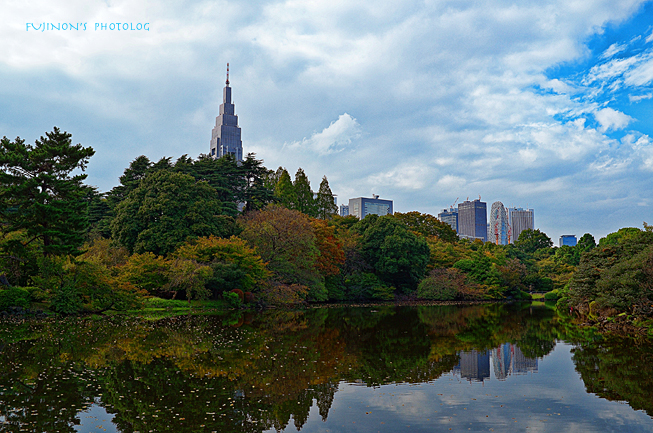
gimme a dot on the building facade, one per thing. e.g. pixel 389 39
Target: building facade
pixel 344 210
pixel 520 220
pixel 225 136
pixel 449 216
pixel 472 220
pixel 363 206
pixel 569 240
pixel 498 229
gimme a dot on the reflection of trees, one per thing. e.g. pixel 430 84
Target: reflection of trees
pixel 256 372
pixel 617 369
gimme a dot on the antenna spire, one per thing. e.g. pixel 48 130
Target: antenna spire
pixel 227 74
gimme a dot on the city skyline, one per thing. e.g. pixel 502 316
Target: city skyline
pixel 543 104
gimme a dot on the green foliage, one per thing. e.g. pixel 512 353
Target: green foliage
pixel 189 276
pixel 14 297
pixel 366 285
pixel 66 300
pixel 397 255
pixel 531 241
pixel 617 274
pixel 553 295
pixel 427 225
pixel 40 196
pixel 586 243
pixel 326 207
pixel 234 264
pixel 284 191
pixel 232 299
pixel 166 210
pixel 147 272
pixel 304 201
pixel 621 236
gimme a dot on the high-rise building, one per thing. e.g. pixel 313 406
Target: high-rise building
pixel 473 365
pixel 449 216
pixel 472 220
pixel 225 137
pixel 362 206
pixel 498 230
pixel 520 220
pixel 344 210
pixel 569 240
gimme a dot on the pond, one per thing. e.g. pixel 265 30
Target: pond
pixel 498 367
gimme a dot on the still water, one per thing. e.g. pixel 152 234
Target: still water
pixel 516 368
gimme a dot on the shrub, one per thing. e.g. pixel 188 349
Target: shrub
pixel 14 297
pixel 240 294
pixel 232 299
pixel 553 295
pixel 442 285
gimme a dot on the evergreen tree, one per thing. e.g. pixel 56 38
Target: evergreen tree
pixel 40 196
pixel 305 202
pixel 166 210
pixel 284 190
pixel 326 207
pixel 256 194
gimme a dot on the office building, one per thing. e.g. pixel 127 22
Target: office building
pixel 569 240
pixel 225 137
pixel 362 206
pixel 473 365
pixel 498 229
pixel 344 210
pixel 450 217
pixel 472 220
pixel 519 220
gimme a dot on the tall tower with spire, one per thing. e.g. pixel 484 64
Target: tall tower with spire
pixel 225 137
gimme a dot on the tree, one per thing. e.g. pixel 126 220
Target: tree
pixel 235 265
pixel 427 225
pixel 285 240
pixel 533 240
pixel 586 242
pixel 397 254
pixel 284 190
pixel 305 203
pixel 255 194
pixel 325 204
pixel 39 194
pixel 166 210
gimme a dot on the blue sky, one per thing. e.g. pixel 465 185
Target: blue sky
pixel 544 104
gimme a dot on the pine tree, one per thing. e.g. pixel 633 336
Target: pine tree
pixel 326 207
pixel 38 194
pixel 305 202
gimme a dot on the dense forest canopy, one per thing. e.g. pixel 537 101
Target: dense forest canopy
pixel 221 229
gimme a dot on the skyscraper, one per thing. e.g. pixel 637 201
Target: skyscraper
pixel 449 216
pixel 472 220
pixel 520 220
pixel 569 240
pixel 225 137
pixel 498 229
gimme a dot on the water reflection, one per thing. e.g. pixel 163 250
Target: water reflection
pixel 311 370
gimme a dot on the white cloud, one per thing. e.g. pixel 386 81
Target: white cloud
pixel 612 119
pixel 637 98
pixel 612 50
pixel 333 138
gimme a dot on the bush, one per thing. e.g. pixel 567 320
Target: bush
pixel 553 295
pixel 232 299
pixel 441 285
pixel 240 294
pixel 14 297
pixel 67 300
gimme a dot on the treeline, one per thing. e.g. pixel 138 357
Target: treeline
pixel 235 231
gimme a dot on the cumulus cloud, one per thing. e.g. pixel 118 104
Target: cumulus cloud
pixel 333 138
pixel 612 119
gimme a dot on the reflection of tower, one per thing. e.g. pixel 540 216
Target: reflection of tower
pixel 474 365
pixel 501 361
